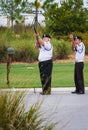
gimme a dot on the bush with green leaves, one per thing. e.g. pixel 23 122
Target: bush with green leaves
pixel 62 49
pixel 26 53
pixel 13 114
pixel 24 45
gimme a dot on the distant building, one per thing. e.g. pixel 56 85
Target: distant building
pixel 28 19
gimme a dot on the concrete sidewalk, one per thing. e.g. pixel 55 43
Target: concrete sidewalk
pixel 69 110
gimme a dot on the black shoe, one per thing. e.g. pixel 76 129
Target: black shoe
pixel 74 92
pixel 44 93
pixel 80 92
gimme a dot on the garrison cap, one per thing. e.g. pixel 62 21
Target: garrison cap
pixel 46 35
pixel 78 37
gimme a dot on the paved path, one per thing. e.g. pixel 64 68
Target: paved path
pixel 69 110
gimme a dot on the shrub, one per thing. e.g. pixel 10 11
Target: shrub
pixel 25 54
pixel 3 50
pixel 23 43
pixel 62 49
pixel 14 117
pixel 25 51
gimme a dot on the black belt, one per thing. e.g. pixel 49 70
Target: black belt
pixel 45 61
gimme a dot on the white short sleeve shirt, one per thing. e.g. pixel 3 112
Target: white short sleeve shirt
pixel 45 52
pixel 80 53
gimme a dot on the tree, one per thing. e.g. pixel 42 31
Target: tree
pixel 14 8
pixel 71 16
pixel 47 4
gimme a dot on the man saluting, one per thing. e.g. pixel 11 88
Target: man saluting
pixel 79 49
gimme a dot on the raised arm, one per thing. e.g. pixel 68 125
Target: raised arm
pixel 74 46
pixel 39 40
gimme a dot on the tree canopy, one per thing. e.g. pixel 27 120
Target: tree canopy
pixel 14 8
pixel 70 17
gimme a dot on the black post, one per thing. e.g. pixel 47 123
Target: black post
pixel 10 52
pixel 36 18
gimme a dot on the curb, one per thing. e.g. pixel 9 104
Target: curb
pixel 35 90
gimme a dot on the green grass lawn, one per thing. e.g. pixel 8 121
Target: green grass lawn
pixel 27 75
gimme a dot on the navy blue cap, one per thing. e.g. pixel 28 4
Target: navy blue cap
pixel 46 35
pixel 78 37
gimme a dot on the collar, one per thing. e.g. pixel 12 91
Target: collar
pixel 80 44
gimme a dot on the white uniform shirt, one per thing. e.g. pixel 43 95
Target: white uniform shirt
pixel 80 53
pixel 45 52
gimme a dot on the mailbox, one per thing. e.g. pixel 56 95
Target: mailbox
pixel 10 51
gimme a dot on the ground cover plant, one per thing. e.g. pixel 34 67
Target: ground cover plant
pixel 27 75
pixel 13 114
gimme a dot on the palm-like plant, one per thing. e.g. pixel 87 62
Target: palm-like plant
pixel 14 117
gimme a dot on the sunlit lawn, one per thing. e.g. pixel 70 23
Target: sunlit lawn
pixel 27 75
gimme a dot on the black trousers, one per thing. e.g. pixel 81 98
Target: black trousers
pixel 78 76
pixel 45 69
